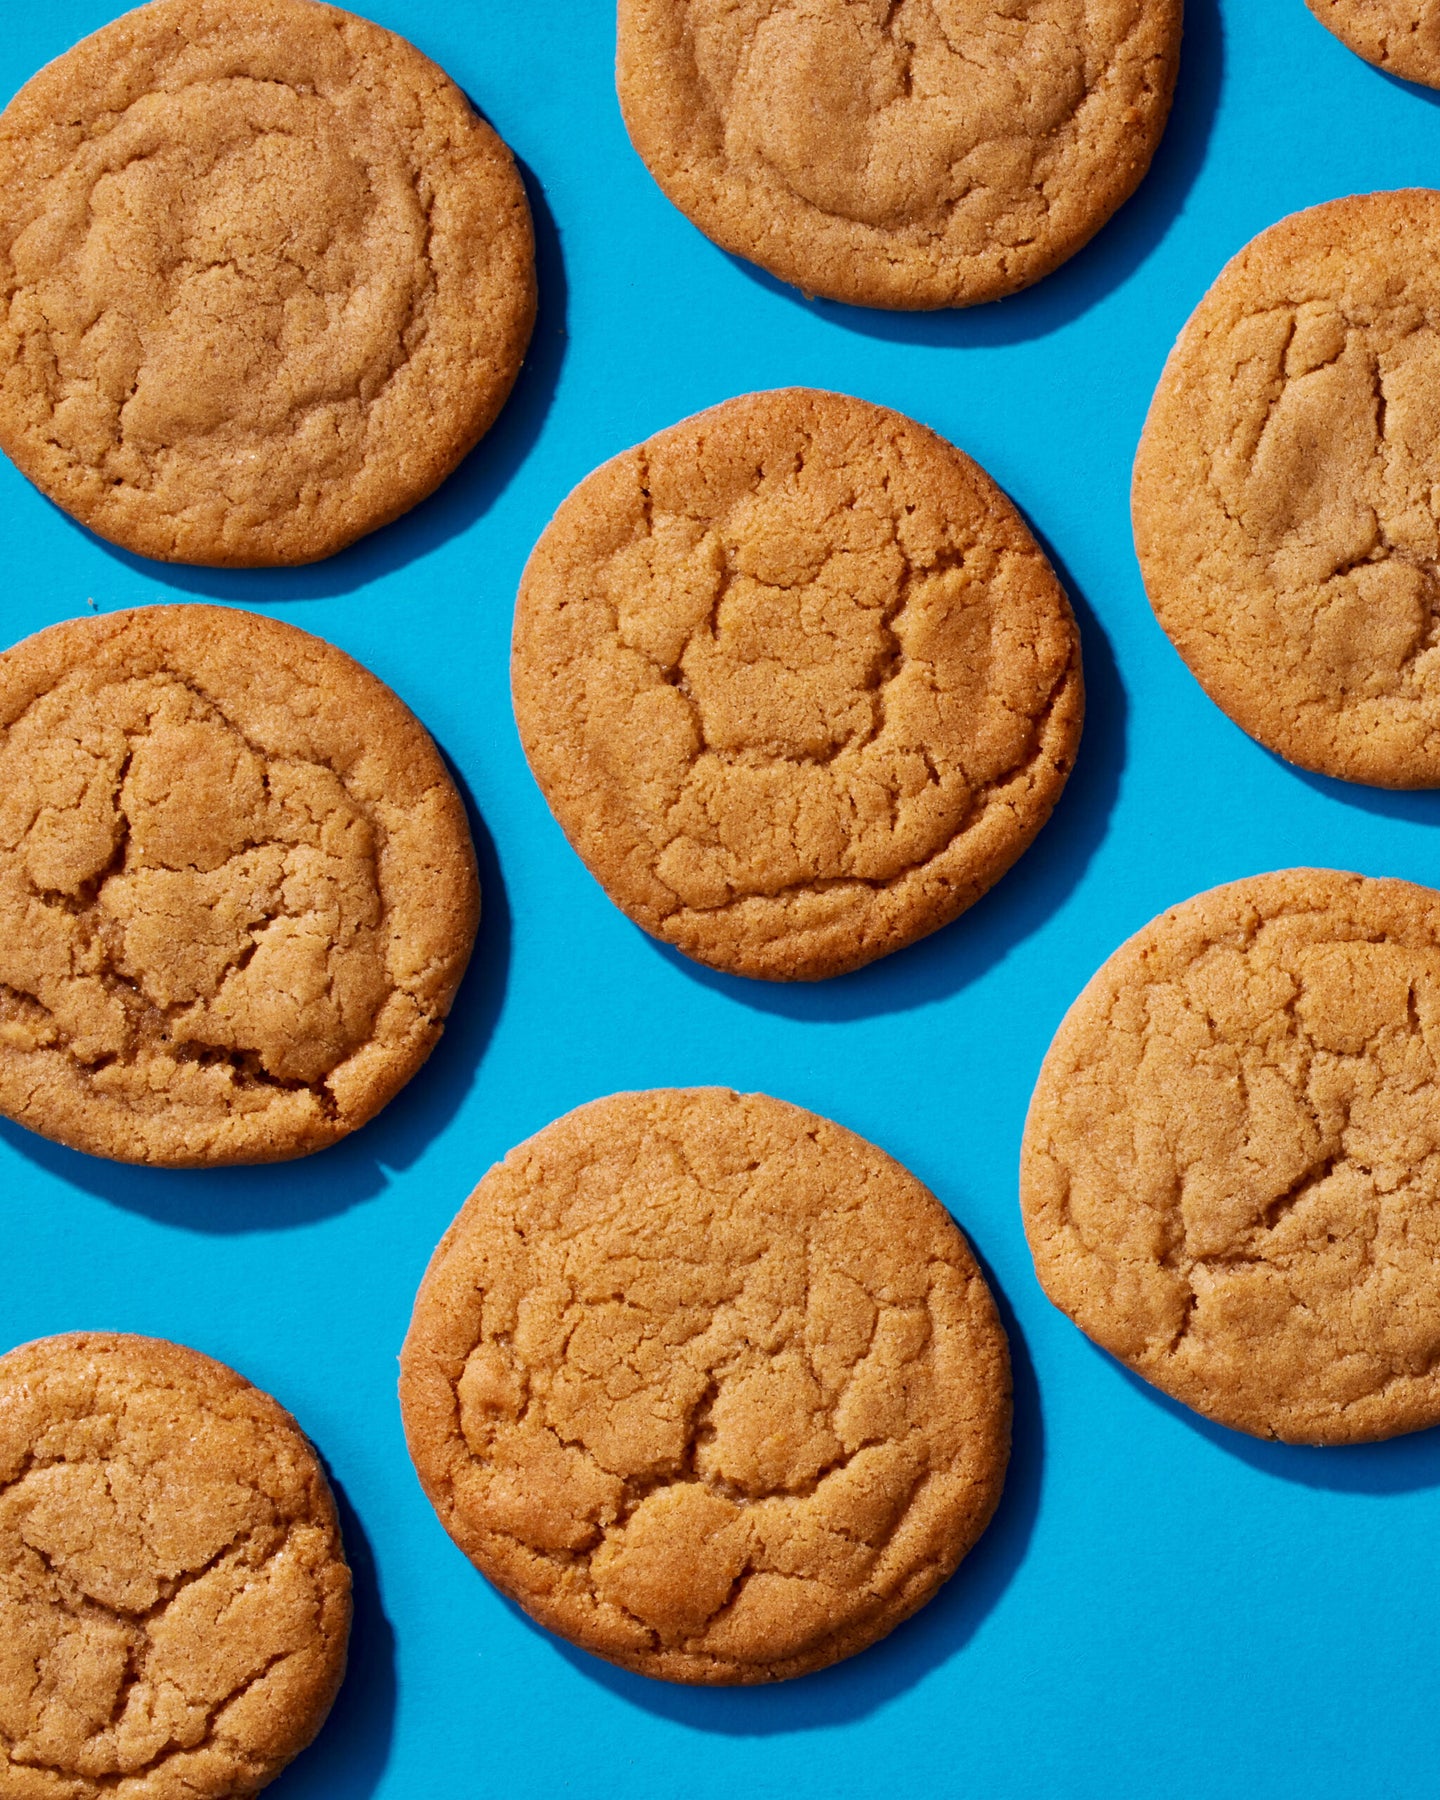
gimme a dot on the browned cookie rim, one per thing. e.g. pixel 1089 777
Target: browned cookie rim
pixel 1363 27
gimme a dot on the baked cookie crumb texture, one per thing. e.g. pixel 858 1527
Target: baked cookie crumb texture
pixel 1231 1168
pixel 174 1599
pixel 710 1386
pixel 1400 36
pixel 899 153
pixel 1285 496
pixel 265 278
pixel 797 682
pixel 237 890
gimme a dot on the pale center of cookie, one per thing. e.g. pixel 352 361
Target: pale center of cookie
pixel 186 917
pixel 887 113
pixel 228 264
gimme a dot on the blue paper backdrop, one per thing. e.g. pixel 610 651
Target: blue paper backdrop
pixel 1160 1605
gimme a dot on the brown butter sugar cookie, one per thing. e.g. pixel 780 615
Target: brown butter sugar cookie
pixel 237 889
pixel 174 1598
pixel 266 279
pixel 1287 490
pixel 921 154
pixel 710 1386
pixel 1399 36
pixel 797 682
pixel 1231 1168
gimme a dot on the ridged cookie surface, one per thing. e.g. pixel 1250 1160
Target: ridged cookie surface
pixel 710 1386
pixel 797 682
pixel 900 153
pixel 237 889
pixel 174 1598
pixel 1231 1169
pixel 265 277
pixel 1285 495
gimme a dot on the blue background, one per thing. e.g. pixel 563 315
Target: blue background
pixel 1160 1604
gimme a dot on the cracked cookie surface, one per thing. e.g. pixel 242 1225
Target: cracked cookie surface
pixel 237 889
pixel 898 153
pixel 1287 490
pixel 797 681
pixel 1400 36
pixel 174 1597
pixel 709 1385
pixel 1231 1168
pixel 265 278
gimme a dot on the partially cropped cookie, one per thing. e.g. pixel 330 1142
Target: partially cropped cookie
pixel 710 1386
pixel 237 889
pixel 797 682
pixel 1231 1169
pixel 913 155
pixel 1400 36
pixel 1285 490
pixel 174 1598
pixel 266 278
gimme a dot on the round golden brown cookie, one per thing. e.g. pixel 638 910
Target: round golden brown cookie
pixel 1284 497
pixel 1231 1169
pixel 174 1598
pixel 1400 36
pixel 266 279
pixel 710 1386
pixel 237 890
pixel 797 682
pixel 901 153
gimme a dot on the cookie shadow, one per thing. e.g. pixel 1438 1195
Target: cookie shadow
pixel 350 1754
pixel 1416 90
pixel 1110 258
pixel 462 498
pixel 951 959
pixel 1398 1465
pixel 1414 806
pixel 940 1631
pixel 278 1196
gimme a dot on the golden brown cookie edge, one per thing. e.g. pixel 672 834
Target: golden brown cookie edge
pixel 1365 39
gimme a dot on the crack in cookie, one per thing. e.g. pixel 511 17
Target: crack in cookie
pixel 1287 490
pixel 797 682
pixel 1231 1171
pixel 242 250
pixel 236 888
pixel 174 1600
pixel 709 1385
pixel 901 153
